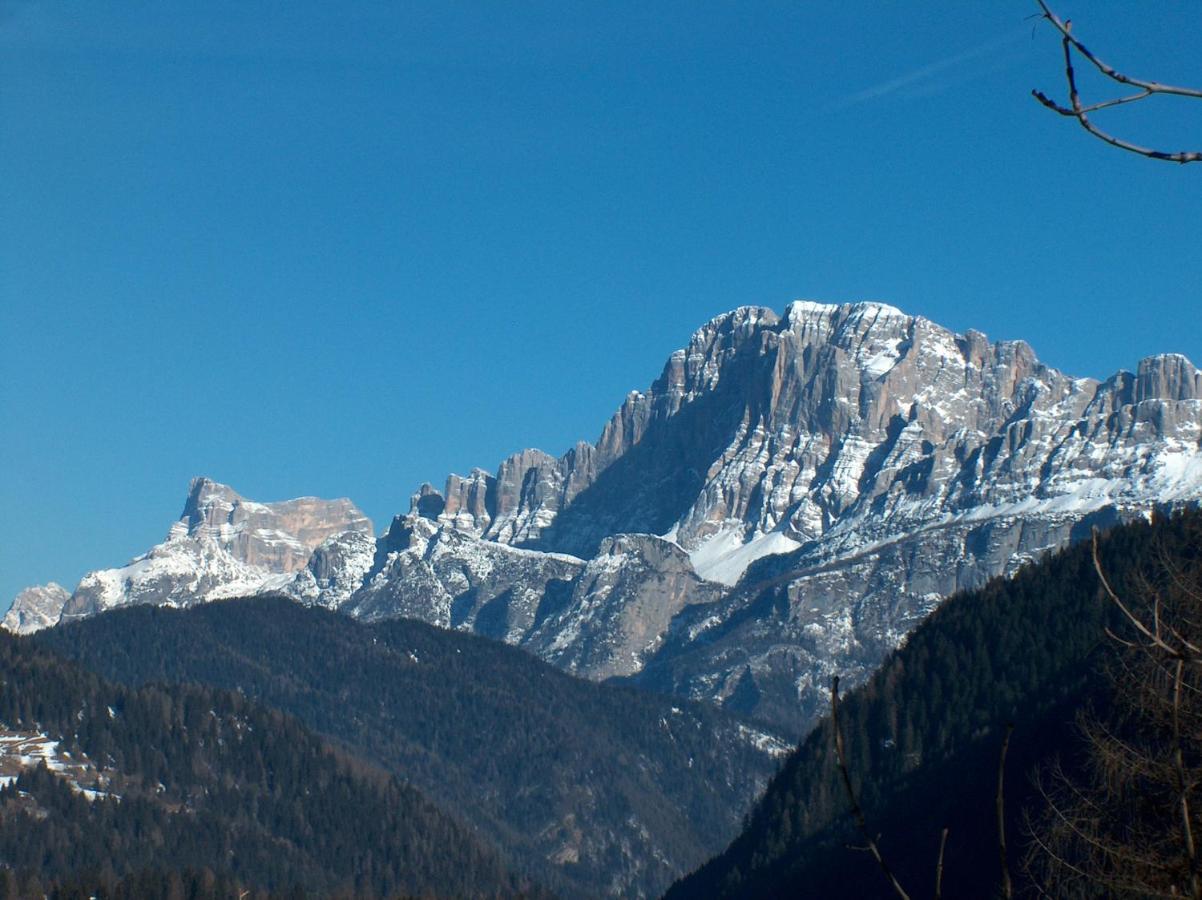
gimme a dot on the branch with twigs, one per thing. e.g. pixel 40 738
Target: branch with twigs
pixel 1081 112
pixel 1175 645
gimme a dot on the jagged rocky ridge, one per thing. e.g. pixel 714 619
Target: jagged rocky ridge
pixel 790 497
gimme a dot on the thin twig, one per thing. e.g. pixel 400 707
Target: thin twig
pixel 1076 110
pixel 1174 572
pixel 1057 858
pixel 1153 637
pixel 1118 101
pixel 1007 887
pixel 939 866
pixel 1187 834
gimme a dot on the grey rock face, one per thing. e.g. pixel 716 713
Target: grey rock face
pixel 771 645
pixel 222 546
pixel 598 618
pixel 335 570
pixel 620 608
pixel 36 608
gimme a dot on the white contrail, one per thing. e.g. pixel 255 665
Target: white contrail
pixel 924 73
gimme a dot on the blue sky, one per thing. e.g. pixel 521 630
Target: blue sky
pixel 339 249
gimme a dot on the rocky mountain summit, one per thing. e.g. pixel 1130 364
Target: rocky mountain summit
pixel 223 545
pixel 787 500
pixel 828 475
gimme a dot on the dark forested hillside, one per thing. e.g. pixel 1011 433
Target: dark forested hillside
pixel 924 735
pixel 594 789
pixel 194 785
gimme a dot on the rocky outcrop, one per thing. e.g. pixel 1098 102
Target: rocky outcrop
pixel 335 570
pixel 278 537
pixel 518 502
pixel 599 618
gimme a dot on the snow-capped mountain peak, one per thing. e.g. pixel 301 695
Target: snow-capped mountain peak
pixel 871 460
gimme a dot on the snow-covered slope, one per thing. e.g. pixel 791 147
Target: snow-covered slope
pixel 222 546
pixel 21 750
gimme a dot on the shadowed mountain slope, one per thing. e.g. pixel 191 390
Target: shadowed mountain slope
pixel 594 789
pixel 108 783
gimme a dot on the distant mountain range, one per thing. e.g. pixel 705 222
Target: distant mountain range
pixel 790 498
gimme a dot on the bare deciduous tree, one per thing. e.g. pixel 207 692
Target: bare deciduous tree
pixel 1127 825
pixel 1082 112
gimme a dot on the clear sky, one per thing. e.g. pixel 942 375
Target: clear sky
pixel 343 248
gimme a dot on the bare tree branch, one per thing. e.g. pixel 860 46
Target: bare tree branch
pixel 1186 650
pixel 939 866
pixel 1007 887
pixel 1183 786
pixel 1076 110
pixel 1154 87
